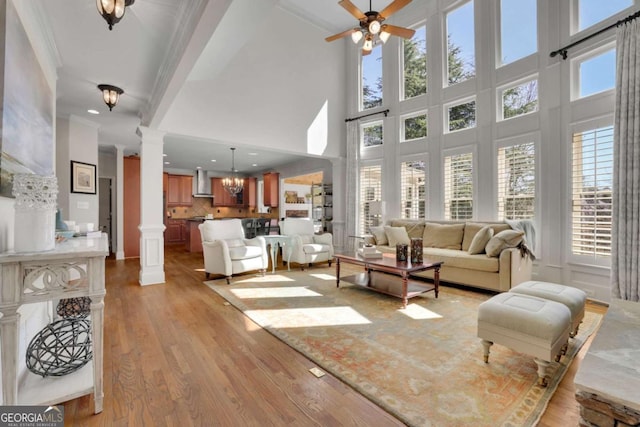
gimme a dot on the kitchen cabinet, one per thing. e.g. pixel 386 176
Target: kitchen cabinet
pixel 176 231
pixel 271 194
pixel 179 190
pixel 165 181
pixel 245 198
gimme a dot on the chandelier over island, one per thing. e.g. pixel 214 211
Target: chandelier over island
pixel 233 184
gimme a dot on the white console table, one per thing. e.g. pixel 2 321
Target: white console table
pixel 75 268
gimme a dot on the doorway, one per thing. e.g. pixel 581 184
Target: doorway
pixel 104 208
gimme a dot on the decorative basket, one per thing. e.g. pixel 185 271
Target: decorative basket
pixel 74 307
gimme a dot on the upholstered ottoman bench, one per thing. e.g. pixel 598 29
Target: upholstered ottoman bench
pixel 526 324
pixel 573 298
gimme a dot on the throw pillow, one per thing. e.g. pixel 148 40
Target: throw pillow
pixel 471 228
pixel 503 240
pixel 396 235
pixel 414 227
pixel 379 235
pixel 445 236
pixel 480 240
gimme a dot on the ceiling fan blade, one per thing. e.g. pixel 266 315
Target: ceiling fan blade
pixel 392 8
pixel 398 31
pixel 352 9
pixel 341 35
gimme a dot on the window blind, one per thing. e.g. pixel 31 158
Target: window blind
pixel 516 181
pixel 412 189
pixel 370 190
pixel 458 186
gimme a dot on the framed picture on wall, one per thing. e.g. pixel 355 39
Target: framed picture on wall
pixel 83 177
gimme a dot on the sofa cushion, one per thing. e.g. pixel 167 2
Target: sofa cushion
pixel 414 227
pixel 480 240
pixel 234 243
pixel 379 235
pixel 314 248
pixel 446 236
pixel 462 259
pixel 396 235
pixel 503 240
pixel 244 252
pixel 472 228
pixel 306 238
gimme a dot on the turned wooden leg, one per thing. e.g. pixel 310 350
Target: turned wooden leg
pixel 263 271
pixel 206 275
pixel 329 263
pixel 575 331
pixel 486 345
pixel 228 280
pixel 542 371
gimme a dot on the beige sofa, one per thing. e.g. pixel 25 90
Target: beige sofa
pixel 449 241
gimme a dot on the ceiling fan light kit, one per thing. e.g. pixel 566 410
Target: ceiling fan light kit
pixel 371 24
pixel 112 10
pixel 110 95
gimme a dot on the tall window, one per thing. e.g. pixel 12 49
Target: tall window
pixel 519 99
pixel 592 179
pixel 415 64
pixel 596 73
pixel 414 126
pixel 518 37
pixel 461 116
pixel 517 181
pixel 591 12
pixel 372 78
pixel 412 189
pixel 461 57
pixel 458 186
pixel 370 190
pixel 372 134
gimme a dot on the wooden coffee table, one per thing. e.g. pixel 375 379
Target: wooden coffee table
pixel 381 275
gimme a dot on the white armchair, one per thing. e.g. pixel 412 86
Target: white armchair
pixel 227 252
pixel 307 247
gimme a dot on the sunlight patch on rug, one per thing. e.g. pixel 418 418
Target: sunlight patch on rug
pixel 307 317
pixel 418 312
pixel 280 292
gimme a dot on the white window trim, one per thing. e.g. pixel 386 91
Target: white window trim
pixel 420 157
pixel 361 134
pixel 510 142
pixel 498 58
pixel 574 18
pixel 410 116
pixel 445 47
pixel 460 101
pixel 575 70
pixel 474 174
pixel 368 163
pixel 582 126
pixel 422 23
pixel 361 78
pixel 512 84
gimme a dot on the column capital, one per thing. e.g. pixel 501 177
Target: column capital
pixel 150 135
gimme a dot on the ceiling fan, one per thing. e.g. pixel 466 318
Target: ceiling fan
pixel 372 26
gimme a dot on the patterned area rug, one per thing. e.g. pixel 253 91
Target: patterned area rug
pixel 423 364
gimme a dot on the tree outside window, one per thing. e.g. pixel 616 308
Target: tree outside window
pixel 415 64
pixel 521 99
pixel 372 135
pixel 372 79
pixel 462 116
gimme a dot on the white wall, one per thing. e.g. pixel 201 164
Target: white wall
pixel 284 89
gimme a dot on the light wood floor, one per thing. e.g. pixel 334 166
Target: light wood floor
pixel 175 355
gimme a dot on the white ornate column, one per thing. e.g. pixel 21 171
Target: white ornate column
pixel 151 225
pixel 119 202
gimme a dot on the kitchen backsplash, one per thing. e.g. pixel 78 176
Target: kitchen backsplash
pixel 202 207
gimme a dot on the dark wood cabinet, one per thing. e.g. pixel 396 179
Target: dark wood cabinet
pixel 251 192
pixel 131 205
pixel 271 194
pixel 179 189
pixel 176 231
pixel 244 198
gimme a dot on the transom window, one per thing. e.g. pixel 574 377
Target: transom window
pixel 461 57
pixel 519 99
pixel 596 72
pixel 461 116
pixel 458 186
pixel 370 190
pixel 414 127
pixel 517 181
pixel 415 64
pixel 372 79
pixel 372 134
pixel 592 182
pixel 413 175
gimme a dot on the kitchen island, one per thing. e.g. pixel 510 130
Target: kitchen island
pixel 193 239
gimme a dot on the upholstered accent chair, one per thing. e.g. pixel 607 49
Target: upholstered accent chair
pixel 227 252
pixel 307 247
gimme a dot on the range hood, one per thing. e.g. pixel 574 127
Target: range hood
pixel 203 185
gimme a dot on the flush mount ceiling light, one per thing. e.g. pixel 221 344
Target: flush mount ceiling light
pixel 371 26
pixel 233 184
pixel 112 10
pixel 110 95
